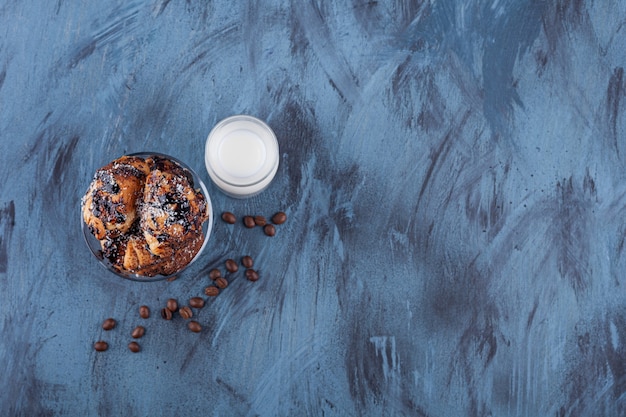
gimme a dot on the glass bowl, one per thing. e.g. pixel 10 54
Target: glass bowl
pixel 94 244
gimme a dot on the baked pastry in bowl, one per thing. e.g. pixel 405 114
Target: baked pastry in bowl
pixel 110 204
pixel 146 216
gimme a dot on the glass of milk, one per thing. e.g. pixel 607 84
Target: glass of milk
pixel 241 155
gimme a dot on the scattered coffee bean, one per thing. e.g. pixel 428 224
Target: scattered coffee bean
pixel 144 312
pixel 172 278
pixel 172 305
pixel 247 261
pixel 134 347
pixel 248 221
pixel 279 218
pixel 166 314
pixel 196 302
pixel 214 274
pixel 260 220
pixel 229 217
pixel 231 265
pixel 269 230
pixel 101 346
pixel 185 312
pixel 221 283
pixel 212 291
pixel 252 275
pixel 138 332
pixel 194 326
pixel 108 324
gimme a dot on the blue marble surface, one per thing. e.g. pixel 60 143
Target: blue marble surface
pixel 454 175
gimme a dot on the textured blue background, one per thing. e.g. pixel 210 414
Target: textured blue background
pixel 454 174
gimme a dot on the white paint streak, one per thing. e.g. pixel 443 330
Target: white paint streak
pixel 614 336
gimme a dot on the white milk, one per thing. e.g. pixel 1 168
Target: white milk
pixel 241 155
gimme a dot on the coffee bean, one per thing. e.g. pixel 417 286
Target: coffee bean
pixel 166 314
pixel 172 278
pixel 248 221
pixel 279 218
pixel 229 217
pixel 172 305
pixel 260 220
pixel 196 302
pixel 109 324
pixel 101 346
pixel 194 326
pixel 144 312
pixel 252 275
pixel 185 312
pixel 214 274
pixel 221 283
pixel 269 230
pixel 231 265
pixel 134 347
pixel 138 332
pixel 247 261
pixel 212 291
